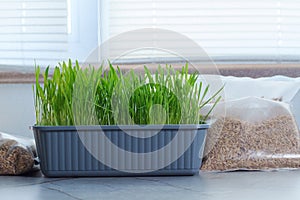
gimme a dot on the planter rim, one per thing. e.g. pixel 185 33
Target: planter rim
pixel 123 127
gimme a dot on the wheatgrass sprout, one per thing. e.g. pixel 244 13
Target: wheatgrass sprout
pixel 85 98
pixel 53 97
pixel 91 96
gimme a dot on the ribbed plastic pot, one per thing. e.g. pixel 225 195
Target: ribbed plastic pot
pixel 62 152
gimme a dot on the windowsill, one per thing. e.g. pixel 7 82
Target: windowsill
pixel 16 77
pixel 239 70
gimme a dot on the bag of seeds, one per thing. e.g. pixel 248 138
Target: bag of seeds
pixel 287 90
pixel 16 155
pixel 254 134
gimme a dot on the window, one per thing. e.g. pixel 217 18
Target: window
pixel 229 30
pixel 46 31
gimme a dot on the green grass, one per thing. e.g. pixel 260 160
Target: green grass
pixel 53 99
pixel 91 96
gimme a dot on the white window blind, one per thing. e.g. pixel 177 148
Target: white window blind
pixel 46 31
pixel 33 30
pixel 227 29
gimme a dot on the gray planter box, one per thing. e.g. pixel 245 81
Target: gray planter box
pixel 118 151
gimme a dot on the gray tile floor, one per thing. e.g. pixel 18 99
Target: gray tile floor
pixel 231 186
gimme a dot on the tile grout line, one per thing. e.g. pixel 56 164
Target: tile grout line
pixel 167 184
pixel 62 192
pixel 40 183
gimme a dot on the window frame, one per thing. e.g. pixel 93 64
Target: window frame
pixel 82 42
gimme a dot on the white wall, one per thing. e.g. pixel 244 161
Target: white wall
pixel 16 109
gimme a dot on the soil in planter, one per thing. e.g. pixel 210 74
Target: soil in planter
pixel 270 144
pixel 14 158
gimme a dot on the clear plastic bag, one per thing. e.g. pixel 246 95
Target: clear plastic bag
pixel 17 155
pixel 285 89
pixel 255 134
